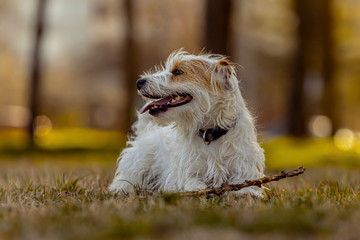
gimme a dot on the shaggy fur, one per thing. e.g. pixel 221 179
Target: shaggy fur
pixel 168 154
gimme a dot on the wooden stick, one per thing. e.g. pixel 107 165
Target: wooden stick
pixel 236 187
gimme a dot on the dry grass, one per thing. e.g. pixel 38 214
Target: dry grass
pixel 69 200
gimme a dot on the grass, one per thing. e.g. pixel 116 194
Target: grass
pixel 287 152
pixel 56 194
pixel 65 201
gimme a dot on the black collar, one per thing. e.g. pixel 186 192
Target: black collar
pixel 212 134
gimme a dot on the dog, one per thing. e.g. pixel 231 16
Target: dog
pixel 194 132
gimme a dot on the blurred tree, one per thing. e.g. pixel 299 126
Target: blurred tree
pixel 296 113
pixel 329 103
pixel 36 67
pixel 129 59
pixel 218 16
pixel 315 53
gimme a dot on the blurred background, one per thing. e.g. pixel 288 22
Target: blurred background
pixel 68 68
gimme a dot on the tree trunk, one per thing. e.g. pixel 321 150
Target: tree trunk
pixel 329 102
pixel 218 16
pixel 296 114
pixel 36 67
pixel 129 59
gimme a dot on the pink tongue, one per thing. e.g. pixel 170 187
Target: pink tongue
pixel 160 102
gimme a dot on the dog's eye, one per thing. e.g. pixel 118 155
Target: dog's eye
pixel 177 72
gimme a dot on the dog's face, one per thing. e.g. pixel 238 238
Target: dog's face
pixel 187 84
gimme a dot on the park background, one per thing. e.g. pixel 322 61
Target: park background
pixel 72 65
pixel 68 98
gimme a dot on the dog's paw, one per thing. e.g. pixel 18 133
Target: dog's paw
pixel 118 186
pixel 194 184
pixel 254 192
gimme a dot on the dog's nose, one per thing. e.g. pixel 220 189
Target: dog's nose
pixel 140 82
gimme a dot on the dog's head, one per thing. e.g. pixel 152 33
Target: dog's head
pixel 188 86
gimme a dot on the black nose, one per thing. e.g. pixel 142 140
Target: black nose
pixel 140 82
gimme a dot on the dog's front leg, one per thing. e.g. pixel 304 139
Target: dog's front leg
pixel 193 183
pixel 130 171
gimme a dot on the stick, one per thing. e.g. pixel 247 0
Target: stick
pixel 225 187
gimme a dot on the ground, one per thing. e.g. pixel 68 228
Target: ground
pixel 63 195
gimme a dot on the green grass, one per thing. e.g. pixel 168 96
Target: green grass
pixel 289 152
pixel 60 139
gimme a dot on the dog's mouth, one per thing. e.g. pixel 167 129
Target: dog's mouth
pixel 163 104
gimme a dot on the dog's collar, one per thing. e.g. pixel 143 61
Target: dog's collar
pixel 212 134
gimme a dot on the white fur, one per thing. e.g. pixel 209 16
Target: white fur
pixel 167 154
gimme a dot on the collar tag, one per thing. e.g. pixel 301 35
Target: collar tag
pixel 205 139
pixel 212 134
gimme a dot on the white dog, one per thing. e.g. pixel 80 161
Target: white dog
pixel 194 132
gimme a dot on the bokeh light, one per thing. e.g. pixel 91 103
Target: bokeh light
pixel 42 126
pixel 320 126
pixel 344 139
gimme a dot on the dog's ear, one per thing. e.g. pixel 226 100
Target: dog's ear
pixel 225 72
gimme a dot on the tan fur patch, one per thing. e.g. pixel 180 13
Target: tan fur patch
pixel 224 63
pixel 194 71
